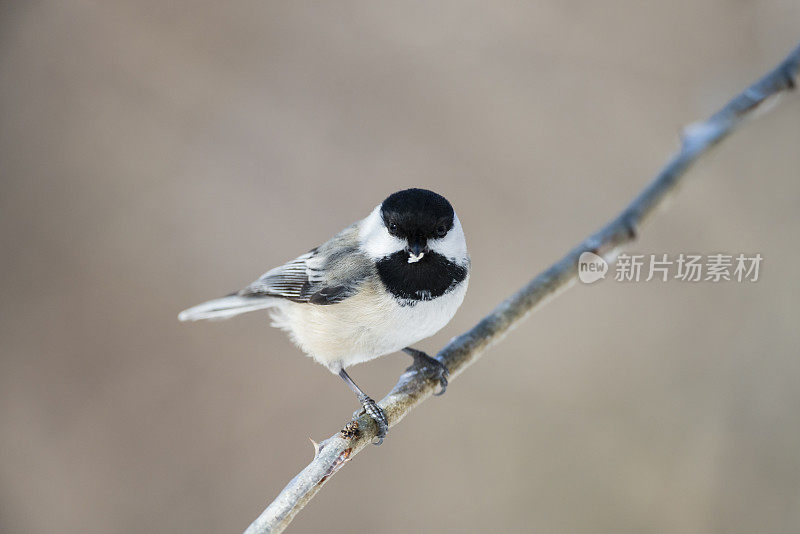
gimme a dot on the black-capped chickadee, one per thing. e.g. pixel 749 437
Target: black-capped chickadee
pixel 380 285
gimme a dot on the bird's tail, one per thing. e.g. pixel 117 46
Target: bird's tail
pixel 226 307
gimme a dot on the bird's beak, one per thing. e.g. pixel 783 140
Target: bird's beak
pixel 417 248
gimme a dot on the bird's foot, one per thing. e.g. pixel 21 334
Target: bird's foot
pixel 431 366
pixel 371 408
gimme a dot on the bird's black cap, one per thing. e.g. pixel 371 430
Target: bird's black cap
pixel 417 212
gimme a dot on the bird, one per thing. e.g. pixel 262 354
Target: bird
pixel 384 283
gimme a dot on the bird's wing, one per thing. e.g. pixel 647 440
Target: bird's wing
pixel 326 275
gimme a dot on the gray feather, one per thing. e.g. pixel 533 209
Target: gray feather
pixel 225 307
pixel 328 274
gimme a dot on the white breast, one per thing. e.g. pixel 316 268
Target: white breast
pixel 365 326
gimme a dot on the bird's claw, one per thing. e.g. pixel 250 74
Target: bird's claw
pixel 430 366
pixel 371 408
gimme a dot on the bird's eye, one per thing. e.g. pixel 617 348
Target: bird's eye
pixel 392 227
pixel 441 230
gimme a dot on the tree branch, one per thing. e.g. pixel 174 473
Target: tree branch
pixel 413 388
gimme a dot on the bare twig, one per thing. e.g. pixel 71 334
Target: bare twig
pixel 413 388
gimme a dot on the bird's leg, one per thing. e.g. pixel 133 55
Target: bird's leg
pixel 369 406
pixel 434 367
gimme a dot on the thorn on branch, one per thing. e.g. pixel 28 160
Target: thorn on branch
pixel 317 447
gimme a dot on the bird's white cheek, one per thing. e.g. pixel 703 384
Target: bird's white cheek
pixel 375 239
pixel 452 247
pixel 380 246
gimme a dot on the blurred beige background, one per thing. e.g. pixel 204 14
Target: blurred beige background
pixel 156 154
